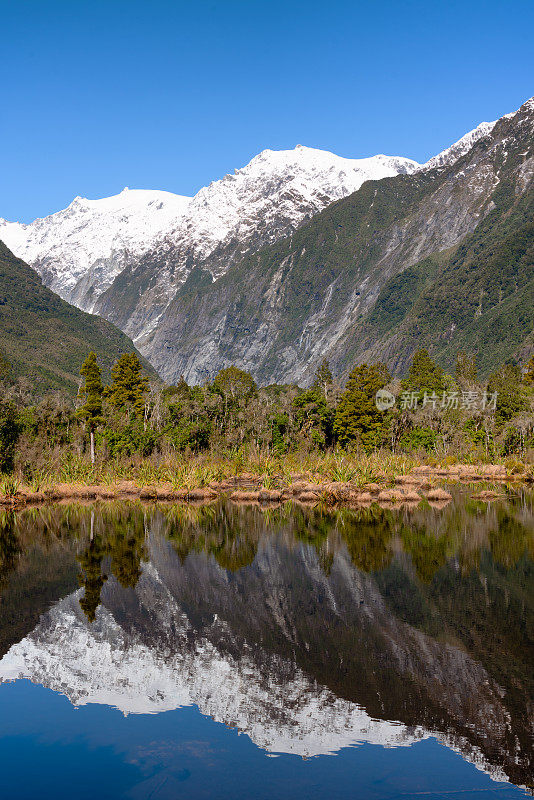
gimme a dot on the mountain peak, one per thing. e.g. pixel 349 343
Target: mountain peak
pixel 459 148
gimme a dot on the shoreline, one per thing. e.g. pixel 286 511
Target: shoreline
pixel 422 483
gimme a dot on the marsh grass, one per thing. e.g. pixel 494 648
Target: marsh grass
pixel 200 470
pixel 9 486
pixel 194 471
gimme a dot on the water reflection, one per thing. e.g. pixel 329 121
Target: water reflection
pixel 308 629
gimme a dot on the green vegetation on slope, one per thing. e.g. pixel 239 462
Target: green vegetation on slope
pixel 480 298
pixel 43 337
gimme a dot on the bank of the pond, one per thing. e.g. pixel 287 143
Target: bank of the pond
pixel 422 483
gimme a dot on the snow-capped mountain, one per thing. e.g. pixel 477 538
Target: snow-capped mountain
pixel 138 257
pixel 93 237
pixel 81 250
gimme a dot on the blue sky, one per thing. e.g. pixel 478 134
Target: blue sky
pixel 95 96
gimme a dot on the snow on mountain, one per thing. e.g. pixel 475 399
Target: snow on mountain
pixel 64 246
pixel 292 184
pixel 462 146
pixel 79 251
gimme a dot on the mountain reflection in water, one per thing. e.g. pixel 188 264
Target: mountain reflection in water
pixel 307 629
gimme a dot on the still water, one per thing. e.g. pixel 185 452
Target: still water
pixel 239 652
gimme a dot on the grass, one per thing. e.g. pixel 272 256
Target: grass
pixel 198 471
pixel 9 486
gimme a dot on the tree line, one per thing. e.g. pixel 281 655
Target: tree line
pixel 430 411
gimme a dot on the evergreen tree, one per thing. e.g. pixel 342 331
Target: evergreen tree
pixel 10 429
pixel 181 387
pixel 466 369
pixel 358 420
pixel 92 390
pixel 506 381
pixel 424 375
pixel 323 381
pixel 529 371
pixel 315 417
pixel 129 386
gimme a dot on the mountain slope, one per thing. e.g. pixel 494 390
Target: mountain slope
pixel 280 310
pixel 45 338
pixel 479 298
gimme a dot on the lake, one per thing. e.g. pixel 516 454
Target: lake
pixel 225 651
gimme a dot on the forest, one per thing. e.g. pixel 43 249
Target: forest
pixel 136 427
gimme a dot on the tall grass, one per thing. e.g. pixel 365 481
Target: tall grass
pixel 189 471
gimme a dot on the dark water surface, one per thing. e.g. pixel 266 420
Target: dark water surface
pixel 240 652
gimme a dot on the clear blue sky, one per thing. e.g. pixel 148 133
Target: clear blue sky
pixel 99 95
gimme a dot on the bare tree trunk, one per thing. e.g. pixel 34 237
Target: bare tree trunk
pixel 92 439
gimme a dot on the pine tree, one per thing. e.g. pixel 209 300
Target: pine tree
pixel 92 390
pixel 424 375
pixel 129 386
pixel 323 380
pixel 466 369
pixel 358 420
pixel 506 382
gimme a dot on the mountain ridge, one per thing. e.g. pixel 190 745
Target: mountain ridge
pixel 80 250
